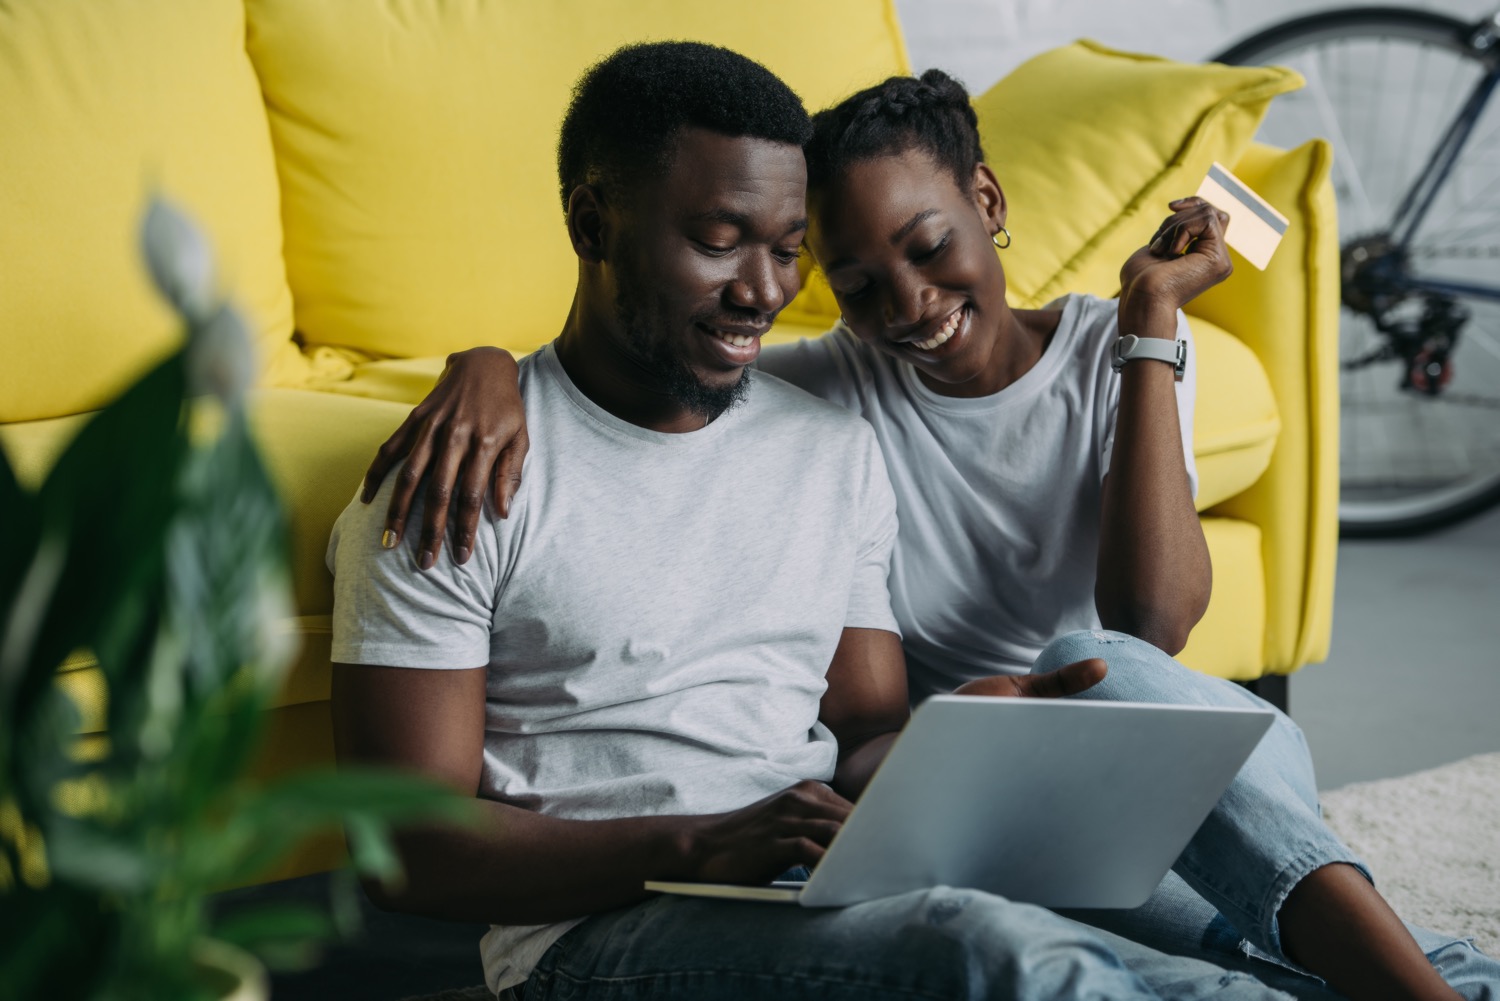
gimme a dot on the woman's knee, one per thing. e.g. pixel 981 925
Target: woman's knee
pixel 1137 671
pixel 1083 644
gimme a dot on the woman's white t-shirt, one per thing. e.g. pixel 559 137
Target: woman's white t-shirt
pixel 998 497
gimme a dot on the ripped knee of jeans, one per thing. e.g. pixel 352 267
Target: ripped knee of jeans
pixel 945 908
pixel 1082 644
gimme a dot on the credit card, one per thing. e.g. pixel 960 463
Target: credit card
pixel 1255 228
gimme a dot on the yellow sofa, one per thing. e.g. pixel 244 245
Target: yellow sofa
pixel 378 180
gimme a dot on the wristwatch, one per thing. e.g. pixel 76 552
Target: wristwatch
pixel 1130 347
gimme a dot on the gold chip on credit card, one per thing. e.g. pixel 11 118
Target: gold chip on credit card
pixel 1255 229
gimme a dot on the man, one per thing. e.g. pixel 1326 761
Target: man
pixel 675 659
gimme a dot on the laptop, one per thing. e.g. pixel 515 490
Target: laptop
pixel 1057 802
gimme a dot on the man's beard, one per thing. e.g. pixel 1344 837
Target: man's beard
pixel 674 377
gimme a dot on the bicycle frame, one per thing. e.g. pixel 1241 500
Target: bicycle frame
pixel 1410 284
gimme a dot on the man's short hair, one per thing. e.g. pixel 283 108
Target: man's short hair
pixel 628 109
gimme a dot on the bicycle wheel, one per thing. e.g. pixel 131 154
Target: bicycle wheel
pixel 1419 335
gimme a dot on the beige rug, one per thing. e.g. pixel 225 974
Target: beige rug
pixel 1432 839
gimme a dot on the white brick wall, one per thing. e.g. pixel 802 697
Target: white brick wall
pixel 979 41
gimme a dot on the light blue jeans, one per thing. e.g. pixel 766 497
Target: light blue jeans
pixel 1193 939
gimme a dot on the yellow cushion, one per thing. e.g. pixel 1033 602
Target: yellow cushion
pixel 1288 315
pixel 404 380
pixel 100 102
pixel 80 678
pixel 1090 145
pixel 317 447
pixel 1235 421
pixel 1227 642
pixel 814 305
pixel 415 143
pixel 31 447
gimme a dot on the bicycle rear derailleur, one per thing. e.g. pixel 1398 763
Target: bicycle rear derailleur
pixel 1420 328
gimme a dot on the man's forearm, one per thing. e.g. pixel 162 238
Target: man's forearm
pixel 520 867
pixel 857 765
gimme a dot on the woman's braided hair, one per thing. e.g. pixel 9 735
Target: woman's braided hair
pixel 931 113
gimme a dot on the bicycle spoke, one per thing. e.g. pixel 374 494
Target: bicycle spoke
pixel 1373 109
pixel 1485 341
pixel 1408 168
pixel 1459 234
pixel 1343 161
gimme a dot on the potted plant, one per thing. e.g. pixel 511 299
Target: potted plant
pixel 157 544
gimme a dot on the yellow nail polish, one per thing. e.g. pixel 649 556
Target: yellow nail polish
pixel 388 539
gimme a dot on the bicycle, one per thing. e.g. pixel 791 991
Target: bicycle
pixel 1419 237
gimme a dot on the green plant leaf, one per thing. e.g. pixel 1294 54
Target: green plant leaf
pixel 345 895
pixel 167 558
pixel 58 944
pixel 251 925
pixel 269 820
pixel 19 540
pixel 373 851
pixel 41 753
pixel 284 936
pixel 112 536
pixel 86 855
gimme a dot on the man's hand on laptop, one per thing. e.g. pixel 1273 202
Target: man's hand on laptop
pixel 1057 684
pixel 759 842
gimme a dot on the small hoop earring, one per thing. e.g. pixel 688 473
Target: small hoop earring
pixel 995 238
pixel 843 322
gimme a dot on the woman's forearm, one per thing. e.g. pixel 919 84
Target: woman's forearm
pixel 1154 574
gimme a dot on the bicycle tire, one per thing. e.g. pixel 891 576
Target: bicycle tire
pixel 1303 36
pixel 1338 23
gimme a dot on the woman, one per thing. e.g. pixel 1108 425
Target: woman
pixel 1040 493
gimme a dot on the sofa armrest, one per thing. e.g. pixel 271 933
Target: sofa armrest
pixel 1288 315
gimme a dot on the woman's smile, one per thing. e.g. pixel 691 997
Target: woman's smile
pixel 947 339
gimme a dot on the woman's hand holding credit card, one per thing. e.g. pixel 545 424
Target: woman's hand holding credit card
pixel 1255 228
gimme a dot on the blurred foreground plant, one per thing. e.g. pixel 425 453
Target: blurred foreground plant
pixel 157 544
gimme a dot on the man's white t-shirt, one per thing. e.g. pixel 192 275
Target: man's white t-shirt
pixel 999 497
pixel 656 616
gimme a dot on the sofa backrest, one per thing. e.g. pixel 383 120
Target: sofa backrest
pixel 415 144
pixel 100 102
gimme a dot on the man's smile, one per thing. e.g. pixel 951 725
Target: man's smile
pixel 739 346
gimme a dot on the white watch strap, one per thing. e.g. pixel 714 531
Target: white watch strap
pixel 1130 348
